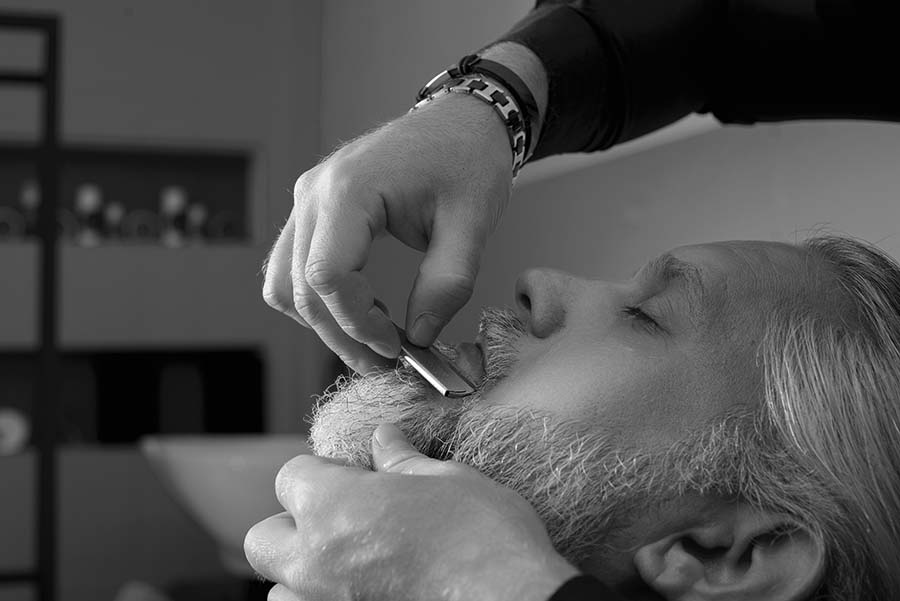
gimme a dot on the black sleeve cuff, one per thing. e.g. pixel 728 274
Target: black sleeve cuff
pixel 579 104
pixel 584 588
pixel 619 69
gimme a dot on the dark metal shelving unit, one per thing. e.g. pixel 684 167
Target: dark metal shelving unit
pixel 46 398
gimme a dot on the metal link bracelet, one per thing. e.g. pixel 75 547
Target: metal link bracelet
pixel 489 91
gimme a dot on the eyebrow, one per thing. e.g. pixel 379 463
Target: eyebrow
pixel 669 268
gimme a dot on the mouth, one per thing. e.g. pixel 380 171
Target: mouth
pixel 470 362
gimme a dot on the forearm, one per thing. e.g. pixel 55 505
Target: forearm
pixel 618 69
pixel 573 63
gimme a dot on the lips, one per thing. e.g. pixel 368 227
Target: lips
pixel 470 362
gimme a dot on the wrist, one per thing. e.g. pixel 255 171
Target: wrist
pixel 527 66
pixel 463 115
pixel 500 87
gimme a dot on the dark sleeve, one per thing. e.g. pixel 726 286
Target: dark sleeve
pixel 619 69
pixel 584 588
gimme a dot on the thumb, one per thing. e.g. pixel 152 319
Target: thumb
pixel 392 452
pixel 445 281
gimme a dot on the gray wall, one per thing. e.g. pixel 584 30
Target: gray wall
pixel 377 54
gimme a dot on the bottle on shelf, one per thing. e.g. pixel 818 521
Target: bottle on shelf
pixel 89 212
pixel 197 217
pixel 15 431
pixel 113 214
pixel 173 213
pixel 30 204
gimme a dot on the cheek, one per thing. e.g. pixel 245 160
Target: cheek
pixel 624 391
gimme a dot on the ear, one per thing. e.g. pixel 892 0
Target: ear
pixel 738 553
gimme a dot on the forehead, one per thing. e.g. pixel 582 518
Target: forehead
pixel 748 279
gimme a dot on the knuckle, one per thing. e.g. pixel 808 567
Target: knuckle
pixel 458 287
pixel 288 480
pixel 303 187
pixel 345 183
pixel 353 330
pixel 275 298
pixel 284 480
pixel 337 179
pixel 253 545
pixel 283 483
pixel 309 306
pixel 321 276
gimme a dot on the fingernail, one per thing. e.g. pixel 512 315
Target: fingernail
pixel 424 329
pixel 385 350
pixel 385 434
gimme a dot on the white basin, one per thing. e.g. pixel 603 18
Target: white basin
pixel 225 482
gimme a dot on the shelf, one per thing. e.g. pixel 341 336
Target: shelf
pixel 12 77
pixel 17 577
pixel 124 295
pixel 125 189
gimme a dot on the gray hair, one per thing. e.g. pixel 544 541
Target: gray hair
pixel 832 399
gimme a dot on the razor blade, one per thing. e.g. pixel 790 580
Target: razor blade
pixel 434 367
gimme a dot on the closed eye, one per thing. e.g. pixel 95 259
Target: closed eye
pixel 638 315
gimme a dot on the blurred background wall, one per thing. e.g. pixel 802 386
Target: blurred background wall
pixel 285 81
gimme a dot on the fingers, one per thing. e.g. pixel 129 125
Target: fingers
pixel 275 547
pixel 312 308
pixel 445 281
pixel 338 251
pixel 340 207
pixel 297 481
pixel 267 546
pixel 392 452
pixel 278 290
pixel 312 275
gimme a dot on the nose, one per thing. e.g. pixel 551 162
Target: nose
pixel 543 299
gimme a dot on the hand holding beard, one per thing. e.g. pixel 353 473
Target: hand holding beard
pixel 417 528
pixel 483 501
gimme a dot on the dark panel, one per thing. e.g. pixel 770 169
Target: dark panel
pixel 118 396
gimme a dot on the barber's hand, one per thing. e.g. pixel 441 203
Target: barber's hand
pixel 438 180
pixel 416 528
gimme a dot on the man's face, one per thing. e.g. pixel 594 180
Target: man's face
pixel 591 352
pixel 588 381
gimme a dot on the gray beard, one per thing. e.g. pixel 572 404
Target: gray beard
pixel 583 489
